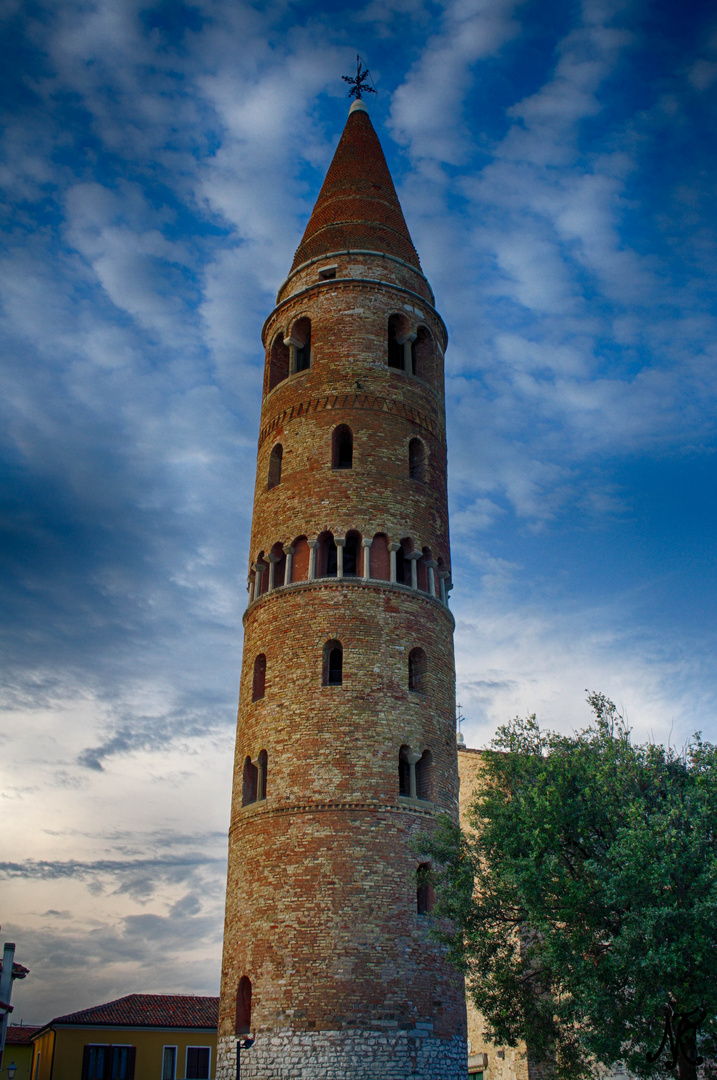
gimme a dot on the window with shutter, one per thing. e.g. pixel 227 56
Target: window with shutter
pixel 121 1062
pixel 197 1063
pixel 169 1063
pixel 95 1060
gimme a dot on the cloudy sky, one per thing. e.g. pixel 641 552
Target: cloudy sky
pixel 158 161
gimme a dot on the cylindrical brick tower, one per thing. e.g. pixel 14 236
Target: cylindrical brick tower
pixel 346 746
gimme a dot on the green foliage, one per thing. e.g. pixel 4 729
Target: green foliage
pixel 582 906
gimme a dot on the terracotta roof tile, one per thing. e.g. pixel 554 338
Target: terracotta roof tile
pixel 20 1034
pixel 357 206
pixel 149 1010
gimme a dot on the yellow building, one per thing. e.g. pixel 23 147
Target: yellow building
pixel 138 1037
pixel 18 1050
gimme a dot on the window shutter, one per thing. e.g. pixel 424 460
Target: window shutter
pixel 192 1073
pixel 131 1056
pixel 85 1063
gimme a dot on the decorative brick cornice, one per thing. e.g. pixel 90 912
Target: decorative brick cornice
pixel 352 253
pixel 350 401
pixel 316 287
pixel 373 806
pixel 352 583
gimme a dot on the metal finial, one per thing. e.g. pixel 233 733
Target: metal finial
pixel 459 720
pixel 358 85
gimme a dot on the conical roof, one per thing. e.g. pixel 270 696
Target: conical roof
pixel 357 207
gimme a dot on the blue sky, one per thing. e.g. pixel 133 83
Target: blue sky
pixel 158 162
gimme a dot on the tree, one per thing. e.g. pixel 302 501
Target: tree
pixel 582 902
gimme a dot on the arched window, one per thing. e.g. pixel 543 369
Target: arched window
pixel 326 556
pixel 277 560
pixel 301 332
pixel 250 782
pixel 416 460
pixel 380 558
pixel 404 771
pixel 424 776
pixel 396 334
pixel 352 554
pixel 403 562
pixel 263 567
pixel 426 557
pixel 333 663
pixel 342 447
pixel 417 671
pixel 424 889
pixel 262 762
pixel 278 361
pixel 422 355
pixel 300 560
pixel 259 683
pixel 275 466
pixel 243 1012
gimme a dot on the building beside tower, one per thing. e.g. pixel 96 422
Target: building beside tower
pixel 346 746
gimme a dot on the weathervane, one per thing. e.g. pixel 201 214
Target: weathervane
pixel 358 85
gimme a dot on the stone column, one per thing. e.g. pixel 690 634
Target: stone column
pixel 313 544
pixel 443 576
pixel 259 567
pixel 273 560
pixel 412 759
pixel 292 344
pixel 414 556
pixel 432 567
pixel 366 545
pixel 393 548
pixel 340 543
pixel 289 552
pixel 407 355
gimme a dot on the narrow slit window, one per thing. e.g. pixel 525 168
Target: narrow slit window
pixel 259 682
pixel 342 456
pixel 333 663
pixel 417 671
pixel 404 771
pixel 243 1009
pixel 262 763
pixel 275 466
pixel 424 889
pixel 416 460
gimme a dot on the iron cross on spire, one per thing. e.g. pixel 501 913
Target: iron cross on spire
pixel 358 85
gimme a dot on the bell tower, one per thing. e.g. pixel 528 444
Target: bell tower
pixel 346 746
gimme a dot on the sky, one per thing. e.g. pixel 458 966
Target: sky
pixel 556 164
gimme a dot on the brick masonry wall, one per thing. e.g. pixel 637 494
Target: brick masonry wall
pixel 322 891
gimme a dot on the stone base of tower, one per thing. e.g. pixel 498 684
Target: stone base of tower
pixel 338 1055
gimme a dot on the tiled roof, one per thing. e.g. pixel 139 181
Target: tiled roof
pixel 357 207
pixel 149 1010
pixel 20 1034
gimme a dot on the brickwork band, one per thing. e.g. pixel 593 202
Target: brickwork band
pixel 346 745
